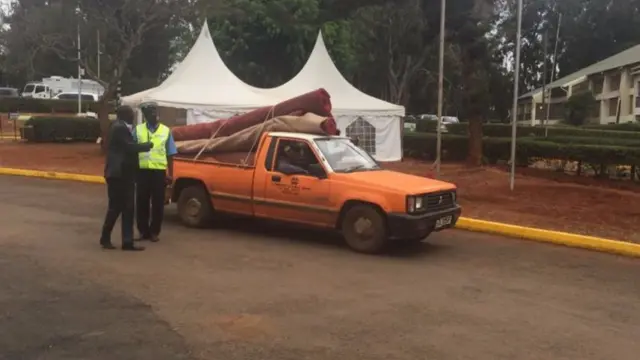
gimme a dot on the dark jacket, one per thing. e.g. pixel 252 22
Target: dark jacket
pixel 122 152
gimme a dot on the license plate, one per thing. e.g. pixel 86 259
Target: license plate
pixel 444 221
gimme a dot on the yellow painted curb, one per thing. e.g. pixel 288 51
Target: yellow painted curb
pixel 515 231
pixel 53 175
pixel 554 237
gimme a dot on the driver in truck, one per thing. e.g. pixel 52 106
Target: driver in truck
pixel 292 158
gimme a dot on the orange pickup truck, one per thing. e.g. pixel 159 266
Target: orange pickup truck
pixel 323 181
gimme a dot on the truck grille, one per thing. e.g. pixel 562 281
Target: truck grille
pixel 440 201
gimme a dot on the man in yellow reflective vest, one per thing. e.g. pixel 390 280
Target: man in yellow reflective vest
pixel 155 173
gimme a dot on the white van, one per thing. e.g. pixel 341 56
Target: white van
pixel 84 96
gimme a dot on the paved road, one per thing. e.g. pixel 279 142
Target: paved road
pixel 254 291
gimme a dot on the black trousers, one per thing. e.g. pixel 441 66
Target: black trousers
pixel 121 192
pixel 150 201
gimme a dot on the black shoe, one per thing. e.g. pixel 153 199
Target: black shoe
pixel 154 238
pixel 143 238
pixel 107 245
pixel 132 248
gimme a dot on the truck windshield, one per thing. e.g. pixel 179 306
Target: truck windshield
pixel 28 89
pixel 344 156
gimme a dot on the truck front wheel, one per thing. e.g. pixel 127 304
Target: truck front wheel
pixel 364 229
pixel 194 207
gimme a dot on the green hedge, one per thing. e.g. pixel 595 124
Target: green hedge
pixel 606 141
pixel 423 125
pixel 455 148
pixel 504 130
pixel 423 146
pixel 45 106
pixel 616 127
pixel 54 129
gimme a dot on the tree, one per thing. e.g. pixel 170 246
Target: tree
pixel 265 42
pixel 476 64
pixel 395 40
pixel 595 30
pixel 57 25
pixel 578 108
pixel 23 59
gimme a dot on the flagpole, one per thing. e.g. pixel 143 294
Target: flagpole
pixel 99 52
pixel 514 110
pixel 553 74
pixel 544 74
pixel 79 75
pixel 440 89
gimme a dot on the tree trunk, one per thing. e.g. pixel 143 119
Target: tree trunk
pixel 474 157
pixel 105 123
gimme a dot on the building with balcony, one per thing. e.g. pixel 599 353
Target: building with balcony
pixel 614 82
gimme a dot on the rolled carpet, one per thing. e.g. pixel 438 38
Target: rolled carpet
pixel 246 140
pixel 317 102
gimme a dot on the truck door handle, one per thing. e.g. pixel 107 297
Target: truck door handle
pixel 276 178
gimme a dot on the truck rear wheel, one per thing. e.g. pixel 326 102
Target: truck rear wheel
pixel 364 229
pixel 194 207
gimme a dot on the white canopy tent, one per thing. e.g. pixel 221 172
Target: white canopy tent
pixel 204 85
pixel 203 82
pixel 375 122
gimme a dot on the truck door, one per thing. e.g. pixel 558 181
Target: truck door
pixel 40 92
pixel 291 193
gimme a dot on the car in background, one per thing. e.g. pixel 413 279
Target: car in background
pixel 450 120
pixel 446 120
pixel 74 96
pixel 7 92
pixel 409 123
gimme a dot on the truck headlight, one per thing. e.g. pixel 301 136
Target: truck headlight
pixel 415 203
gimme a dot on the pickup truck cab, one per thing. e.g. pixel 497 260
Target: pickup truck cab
pixel 322 181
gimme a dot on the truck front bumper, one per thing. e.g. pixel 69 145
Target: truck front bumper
pixel 408 226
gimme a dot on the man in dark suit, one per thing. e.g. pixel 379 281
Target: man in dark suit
pixel 120 171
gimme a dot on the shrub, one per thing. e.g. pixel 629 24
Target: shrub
pixel 616 127
pixel 459 128
pixel 424 125
pixel 454 148
pixel 53 129
pixel 504 130
pixel 496 130
pixel 579 140
pixel 594 154
pixel 46 106
pixel 579 107
pixel 423 146
pixel 582 132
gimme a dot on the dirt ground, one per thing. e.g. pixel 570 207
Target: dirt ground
pixel 541 198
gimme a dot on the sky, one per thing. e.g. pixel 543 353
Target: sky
pixel 4 5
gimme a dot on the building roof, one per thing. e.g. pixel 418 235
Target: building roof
pixel 624 58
